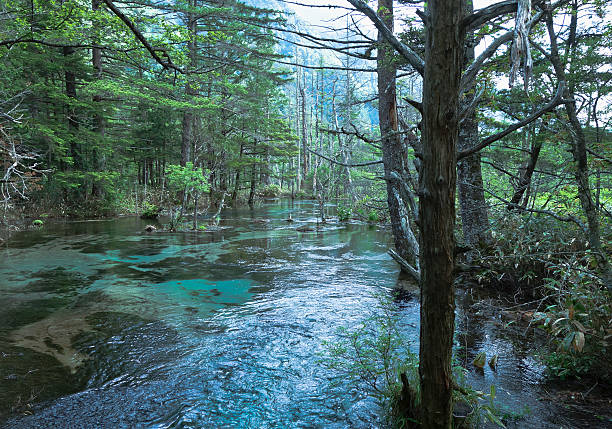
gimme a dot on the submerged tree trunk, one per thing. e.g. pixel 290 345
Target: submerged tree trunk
pixel 437 183
pixel 393 150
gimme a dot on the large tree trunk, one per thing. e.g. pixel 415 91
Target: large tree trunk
pixel 393 150
pixel 474 211
pixel 474 214
pixel 437 180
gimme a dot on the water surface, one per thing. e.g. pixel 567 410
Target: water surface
pixel 103 325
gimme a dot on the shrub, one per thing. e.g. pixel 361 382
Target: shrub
pixel 150 211
pixel 270 191
pixel 344 213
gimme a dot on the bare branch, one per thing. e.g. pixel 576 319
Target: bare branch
pixel 364 164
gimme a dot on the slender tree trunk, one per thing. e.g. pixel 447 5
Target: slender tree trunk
pixel 304 133
pixel 393 150
pixel 579 153
pixel 444 44
pixel 237 181
pixel 526 173
pixel 98 120
pixel 71 93
pixel 188 115
pixel 253 179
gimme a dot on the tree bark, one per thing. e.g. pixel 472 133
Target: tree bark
pixel 393 150
pixel 526 173
pixel 444 44
pixel 474 213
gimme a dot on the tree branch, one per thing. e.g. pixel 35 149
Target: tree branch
pixel 364 164
pixel 412 57
pixel 165 64
pixel 557 100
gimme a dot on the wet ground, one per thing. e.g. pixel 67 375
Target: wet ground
pixel 103 325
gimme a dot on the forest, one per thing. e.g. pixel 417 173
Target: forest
pixel 165 163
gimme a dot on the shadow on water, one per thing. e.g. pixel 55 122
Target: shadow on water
pixel 106 326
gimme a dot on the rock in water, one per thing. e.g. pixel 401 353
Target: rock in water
pixel 150 228
pixel 304 228
pixel 480 360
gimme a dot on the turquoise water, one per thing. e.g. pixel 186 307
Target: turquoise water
pixel 103 325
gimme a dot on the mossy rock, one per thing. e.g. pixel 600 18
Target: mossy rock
pixel 37 222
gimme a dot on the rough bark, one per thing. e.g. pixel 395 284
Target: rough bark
pixel 393 149
pixel 443 64
pixel 474 213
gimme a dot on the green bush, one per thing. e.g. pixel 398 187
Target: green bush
pixel 150 211
pixel 377 358
pixel 344 213
pixel 270 191
pixel 373 216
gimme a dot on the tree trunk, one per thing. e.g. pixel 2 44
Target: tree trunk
pixel 71 93
pixel 393 150
pixel 188 115
pixel 237 180
pixel 579 153
pixel 444 44
pixel 253 177
pixel 98 120
pixel 474 214
pixel 304 134
pixel 526 173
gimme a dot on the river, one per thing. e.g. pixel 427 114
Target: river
pixel 104 325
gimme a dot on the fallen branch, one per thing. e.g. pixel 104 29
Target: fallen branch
pixel 416 275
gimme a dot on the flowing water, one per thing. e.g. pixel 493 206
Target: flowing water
pixel 103 325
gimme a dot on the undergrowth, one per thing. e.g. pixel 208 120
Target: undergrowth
pixel 549 264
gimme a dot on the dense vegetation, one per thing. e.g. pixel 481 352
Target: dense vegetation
pixel 185 105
